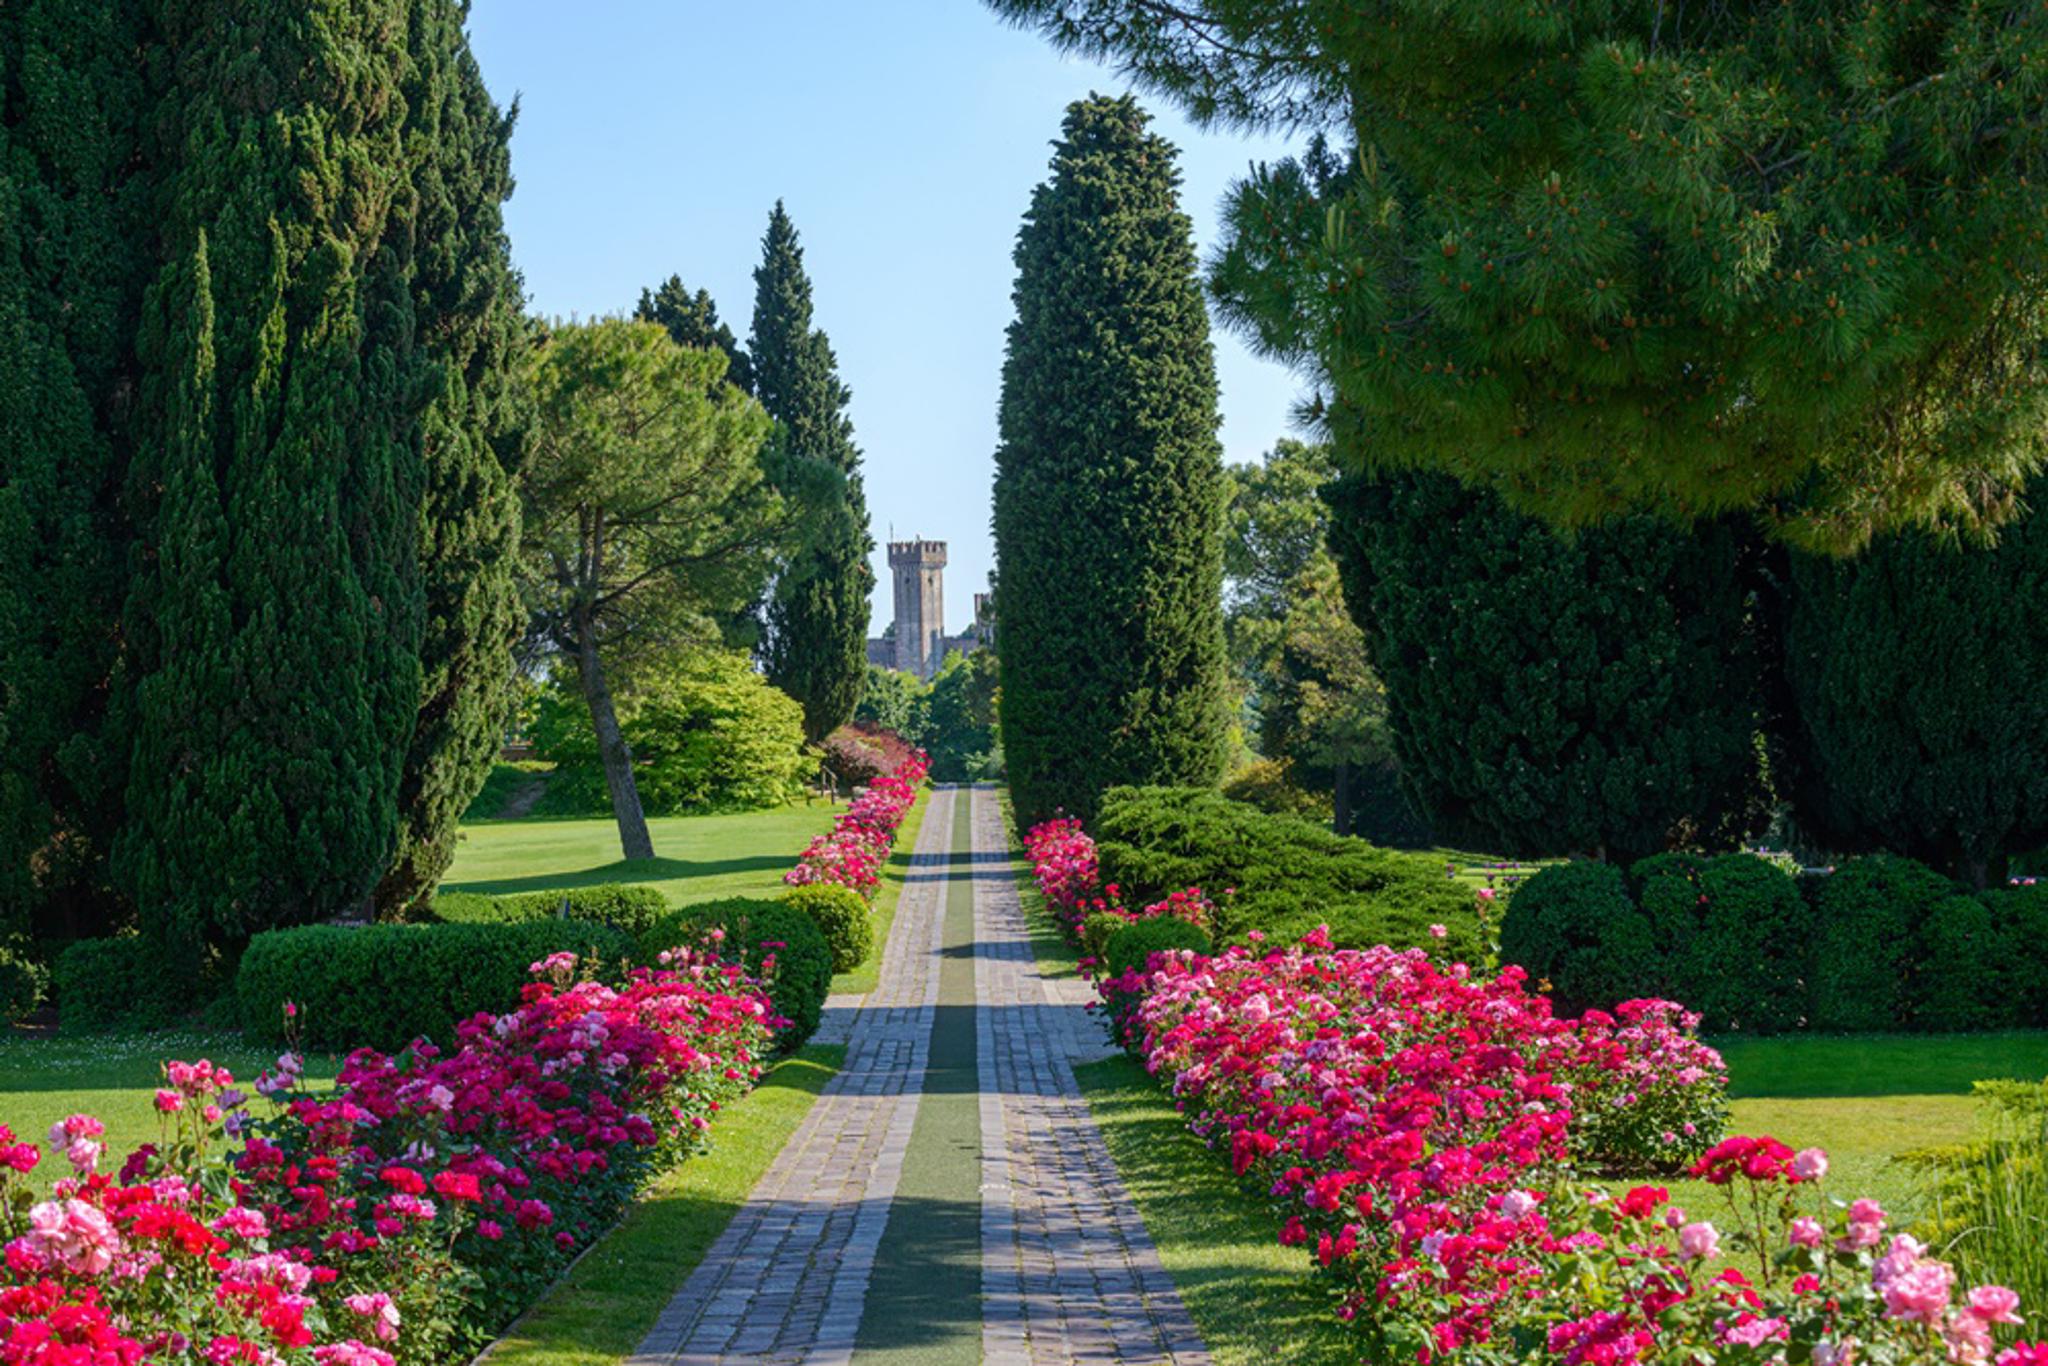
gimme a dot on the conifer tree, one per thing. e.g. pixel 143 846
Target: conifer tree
pixel 72 229
pixel 1595 695
pixel 692 320
pixel 466 299
pixel 289 127
pixel 817 617
pixel 1109 486
pixel 1686 257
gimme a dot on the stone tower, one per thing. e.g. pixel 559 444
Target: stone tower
pixel 920 571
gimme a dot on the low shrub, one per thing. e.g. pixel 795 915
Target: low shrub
pixel 22 984
pixel 1279 875
pixel 115 983
pixel 1574 926
pixel 382 986
pixel 1269 785
pixel 632 907
pixel 1971 969
pixel 751 930
pixel 841 914
pixel 1135 941
pixel 1747 965
pixel 2022 911
pixel 1866 918
pixel 1667 890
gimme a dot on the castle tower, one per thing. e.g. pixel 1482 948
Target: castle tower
pixel 920 572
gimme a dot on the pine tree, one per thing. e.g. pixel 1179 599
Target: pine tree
pixel 290 180
pixel 1109 487
pixel 816 646
pixel 692 320
pixel 466 299
pixel 1919 718
pixel 72 234
pixel 1686 257
pixel 1593 695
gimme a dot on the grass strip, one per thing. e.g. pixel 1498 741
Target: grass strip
pixel 924 1299
pixel 862 980
pixel 600 1311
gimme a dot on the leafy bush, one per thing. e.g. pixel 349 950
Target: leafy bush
pixel 841 914
pixel 2022 913
pixel 1747 964
pixel 22 984
pixel 708 732
pixel 116 983
pixel 1269 785
pixel 504 781
pixel 1573 925
pixel 631 907
pixel 1971 968
pixel 1277 874
pixel 754 929
pixel 1135 941
pixel 1866 919
pixel 1667 889
pixel 381 986
pixel 852 760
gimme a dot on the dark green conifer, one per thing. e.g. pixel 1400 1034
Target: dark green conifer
pixel 692 320
pixel 1109 489
pixel 817 616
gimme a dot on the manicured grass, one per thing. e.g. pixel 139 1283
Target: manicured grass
pixel 113 1078
pixel 601 1310
pixel 1815 1065
pixel 862 979
pixel 697 858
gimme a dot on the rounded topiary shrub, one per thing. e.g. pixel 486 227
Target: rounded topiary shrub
pixel 115 983
pixel 1667 890
pixel 22 984
pixel 1098 929
pixel 1746 965
pixel 841 914
pixel 1134 943
pixel 1971 969
pixel 2021 915
pixel 1573 925
pixel 1866 917
pixel 753 930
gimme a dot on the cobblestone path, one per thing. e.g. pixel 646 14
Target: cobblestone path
pixel 825 1263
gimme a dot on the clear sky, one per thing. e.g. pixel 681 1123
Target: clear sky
pixel 904 135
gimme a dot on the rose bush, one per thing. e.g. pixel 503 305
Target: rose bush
pixel 852 853
pixel 402 1216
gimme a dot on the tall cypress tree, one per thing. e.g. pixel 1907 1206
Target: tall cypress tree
pixel 816 648
pixel 466 299
pixel 289 129
pixel 72 261
pixel 1109 486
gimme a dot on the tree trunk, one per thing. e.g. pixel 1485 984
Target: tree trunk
pixel 612 748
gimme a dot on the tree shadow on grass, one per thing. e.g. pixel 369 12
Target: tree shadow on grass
pixel 623 870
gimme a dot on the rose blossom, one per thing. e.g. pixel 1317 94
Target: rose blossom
pixel 1699 1241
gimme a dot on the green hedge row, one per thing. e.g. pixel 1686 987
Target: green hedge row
pixel 629 906
pixel 756 930
pixel 1278 874
pixel 1882 943
pixel 385 985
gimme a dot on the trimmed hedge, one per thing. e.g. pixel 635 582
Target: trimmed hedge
pixel 116 983
pixel 755 929
pixel 841 915
pixel 1133 945
pixel 631 907
pixel 1882 943
pixel 22 984
pixel 1573 925
pixel 385 985
pixel 1277 874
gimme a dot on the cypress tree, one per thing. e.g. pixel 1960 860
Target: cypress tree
pixel 1919 721
pixel 1598 694
pixel 466 299
pixel 692 320
pixel 72 225
pixel 816 646
pixel 289 124
pixel 1109 486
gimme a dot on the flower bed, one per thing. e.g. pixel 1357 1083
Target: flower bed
pixel 402 1217
pixel 1422 1130
pixel 852 853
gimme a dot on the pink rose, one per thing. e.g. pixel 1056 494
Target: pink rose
pixel 1809 1164
pixel 1807 1232
pixel 1994 1304
pixel 1699 1241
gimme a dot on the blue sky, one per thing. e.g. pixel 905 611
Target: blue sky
pixel 905 137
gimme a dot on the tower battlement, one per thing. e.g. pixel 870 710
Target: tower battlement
pixel 930 554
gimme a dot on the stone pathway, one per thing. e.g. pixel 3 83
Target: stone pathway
pixel 1067 1272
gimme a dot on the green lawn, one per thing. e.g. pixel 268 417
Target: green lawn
pixel 111 1077
pixel 862 979
pixel 697 858
pixel 599 1312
